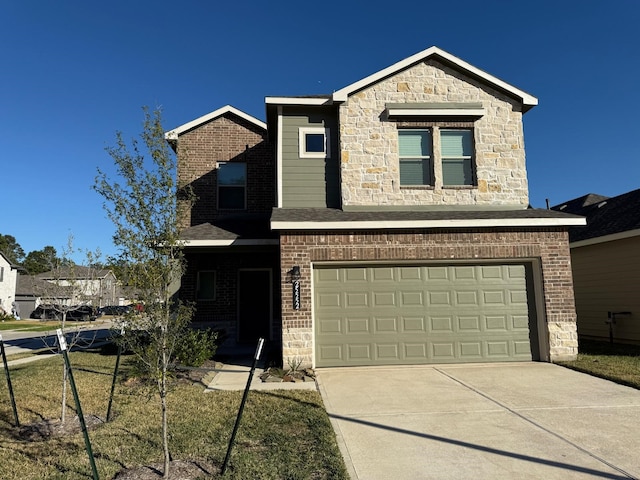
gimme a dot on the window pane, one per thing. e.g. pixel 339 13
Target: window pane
pixel 457 171
pixel 414 143
pixel 232 174
pixel 314 142
pixel 231 198
pixel 456 143
pixel 415 172
pixel 206 285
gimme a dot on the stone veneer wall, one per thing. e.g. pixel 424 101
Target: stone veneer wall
pixel 369 144
pixel 549 245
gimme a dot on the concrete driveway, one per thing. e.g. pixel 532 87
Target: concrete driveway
pixel 482 421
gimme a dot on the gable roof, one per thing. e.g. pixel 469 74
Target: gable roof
pixel 608 218
pixel 77 272
pixel 528 101
pixel 13 266
pixel 172 135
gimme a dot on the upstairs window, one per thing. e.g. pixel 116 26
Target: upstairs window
pixel 457 157
pixel 416 166
pixel 232 186
pixel 314 142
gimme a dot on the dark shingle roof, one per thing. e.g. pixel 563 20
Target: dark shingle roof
pixel 606 215
pixel 231 227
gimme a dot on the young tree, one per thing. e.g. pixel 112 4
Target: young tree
pixel 142 204
pixel 70 290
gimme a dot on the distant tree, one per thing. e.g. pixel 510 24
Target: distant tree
pixel 40 261
pixel 11 248
pixel 142 204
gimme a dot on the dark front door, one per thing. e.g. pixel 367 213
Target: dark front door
pixel 254 308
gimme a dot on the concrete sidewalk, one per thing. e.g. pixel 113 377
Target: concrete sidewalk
pixel 234 374
pixel 515 421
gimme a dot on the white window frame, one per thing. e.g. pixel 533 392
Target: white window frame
pixel 429 158
pixel 215 286
pixel 471 157
pixel 302 142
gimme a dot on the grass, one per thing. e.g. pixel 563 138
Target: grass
pixel 39 325
pixel 284 434
pixel 619 363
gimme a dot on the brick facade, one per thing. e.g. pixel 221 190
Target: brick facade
pixel 227 138
pixel 548 246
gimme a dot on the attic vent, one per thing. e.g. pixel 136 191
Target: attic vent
pixel 602 204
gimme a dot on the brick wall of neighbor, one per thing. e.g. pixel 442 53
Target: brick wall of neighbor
pixel 548 245
pixel 369 145
pixel 226 138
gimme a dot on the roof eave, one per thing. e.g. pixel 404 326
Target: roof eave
pixel 172 135
pixel 413 224
pixel 528 101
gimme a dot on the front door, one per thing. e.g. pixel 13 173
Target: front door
pixel 254 305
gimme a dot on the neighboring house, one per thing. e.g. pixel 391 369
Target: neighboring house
pixel 386 223
pixel 98 287
pixel 29 291
pixel 605 258
pixel 8 278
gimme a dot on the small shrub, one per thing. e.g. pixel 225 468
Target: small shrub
pixel 195 347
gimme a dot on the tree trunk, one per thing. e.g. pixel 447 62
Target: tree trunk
pixel 163 401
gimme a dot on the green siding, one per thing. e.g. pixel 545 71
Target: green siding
pixel 309 182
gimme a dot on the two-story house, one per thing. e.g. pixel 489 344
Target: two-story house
pixel 385 223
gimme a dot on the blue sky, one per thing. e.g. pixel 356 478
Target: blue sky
pixel 75 72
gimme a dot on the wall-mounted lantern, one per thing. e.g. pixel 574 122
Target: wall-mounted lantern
pixel 294 278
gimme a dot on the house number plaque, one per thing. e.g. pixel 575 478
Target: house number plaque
pixel 296 294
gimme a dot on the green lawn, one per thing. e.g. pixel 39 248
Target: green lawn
pixel 283 435
pixel 619 363
pixel 38 325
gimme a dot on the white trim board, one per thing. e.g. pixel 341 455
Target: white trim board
pixel 412 224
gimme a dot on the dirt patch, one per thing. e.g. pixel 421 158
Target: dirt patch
pixel 49 428
pixel 178 470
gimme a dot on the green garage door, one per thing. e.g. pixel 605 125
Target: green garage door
pixel 391 315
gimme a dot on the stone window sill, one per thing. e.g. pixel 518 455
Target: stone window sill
pixel 417 187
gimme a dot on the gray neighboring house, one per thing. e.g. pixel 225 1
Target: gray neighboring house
pixel 29 293
pixel 605 258
pixel 100 286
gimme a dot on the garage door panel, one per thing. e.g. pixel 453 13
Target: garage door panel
pixel 384 299
pixel 386 324
pixel 421 314
pixel 412 299
pixel 329 326
pixel 359 352
pixel 469 324
pixel 413 324
pixel 357 325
